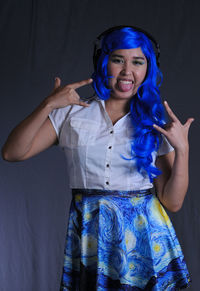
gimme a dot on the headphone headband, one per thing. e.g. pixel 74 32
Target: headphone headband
pixel 97 43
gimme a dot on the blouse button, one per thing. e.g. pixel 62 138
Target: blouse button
pixel 111 131
pixel 110 147
pixel 107 183
pixel 107 165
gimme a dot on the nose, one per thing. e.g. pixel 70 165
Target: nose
pixel 126 69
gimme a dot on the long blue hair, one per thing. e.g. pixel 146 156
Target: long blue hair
pixel 145 106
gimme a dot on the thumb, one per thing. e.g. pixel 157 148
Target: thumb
pixel 189 122
pixel 57 83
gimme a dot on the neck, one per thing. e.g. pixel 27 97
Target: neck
pixel 118 106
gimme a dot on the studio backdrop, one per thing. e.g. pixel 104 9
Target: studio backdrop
pixel 42 39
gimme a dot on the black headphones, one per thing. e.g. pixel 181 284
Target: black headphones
pixel 97 43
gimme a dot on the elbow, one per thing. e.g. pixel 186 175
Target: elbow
pixel 6 156
pixel 175 207
pixel 171 206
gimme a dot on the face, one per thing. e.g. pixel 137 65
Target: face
pixel 128 69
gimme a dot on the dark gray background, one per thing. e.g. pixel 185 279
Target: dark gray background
pixel 43 39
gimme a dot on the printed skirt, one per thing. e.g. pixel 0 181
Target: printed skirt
pixel 121 240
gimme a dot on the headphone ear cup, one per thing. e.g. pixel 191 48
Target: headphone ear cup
pixel 96 57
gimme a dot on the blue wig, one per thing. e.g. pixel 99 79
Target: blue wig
pixel 145 106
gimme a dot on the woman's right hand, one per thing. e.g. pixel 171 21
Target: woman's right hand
pixel 36 133
pixel 66 95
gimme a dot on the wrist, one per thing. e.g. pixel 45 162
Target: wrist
pixel 48 104
pixel 51 103
pixel 183 149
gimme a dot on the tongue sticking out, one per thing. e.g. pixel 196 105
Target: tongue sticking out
pixel 125 86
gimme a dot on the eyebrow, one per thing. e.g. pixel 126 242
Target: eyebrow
pixel 119 56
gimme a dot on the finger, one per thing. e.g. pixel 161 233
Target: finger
pixel 189 122
pixel 81 103
pixel 81 83
pixel 57 83
pixel 160 129
pixel 168 125
pixel 170 112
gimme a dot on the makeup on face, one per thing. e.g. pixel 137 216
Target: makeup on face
pixel 128 69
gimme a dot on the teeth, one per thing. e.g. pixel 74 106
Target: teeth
pixel 125 82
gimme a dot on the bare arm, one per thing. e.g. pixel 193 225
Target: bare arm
pixel 36 133
pixel 172 185
pixel 171 192
pixel 31 136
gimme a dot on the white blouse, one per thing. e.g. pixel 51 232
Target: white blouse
pixel 94 148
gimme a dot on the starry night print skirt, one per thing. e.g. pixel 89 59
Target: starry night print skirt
pixel 121 240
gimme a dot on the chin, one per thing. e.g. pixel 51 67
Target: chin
pixel 123 95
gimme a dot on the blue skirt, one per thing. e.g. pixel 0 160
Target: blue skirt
pixel 121 240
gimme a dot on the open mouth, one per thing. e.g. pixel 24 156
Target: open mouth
pixel 125 85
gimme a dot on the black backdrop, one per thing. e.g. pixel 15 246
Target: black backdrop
pixel 41 39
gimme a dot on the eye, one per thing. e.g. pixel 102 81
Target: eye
pixel 138 63
pixel 117 60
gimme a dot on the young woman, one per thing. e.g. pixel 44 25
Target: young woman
pixel 117 144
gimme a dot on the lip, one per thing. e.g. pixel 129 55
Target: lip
pixel 126 80
pixel 124 85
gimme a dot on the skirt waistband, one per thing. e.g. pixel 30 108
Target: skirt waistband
pixel 124 193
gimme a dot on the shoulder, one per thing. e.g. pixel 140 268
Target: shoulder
pixel 93 112
pixel 61 116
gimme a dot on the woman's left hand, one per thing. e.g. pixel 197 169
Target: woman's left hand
pixel 175 131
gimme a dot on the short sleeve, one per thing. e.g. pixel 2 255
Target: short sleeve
pixel 165 147
pixel 58 116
